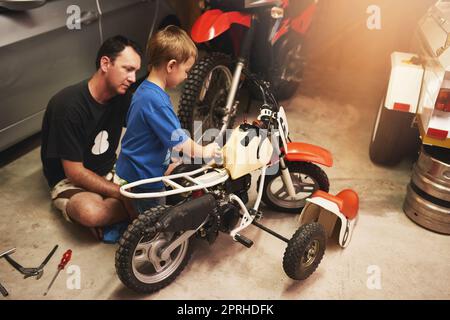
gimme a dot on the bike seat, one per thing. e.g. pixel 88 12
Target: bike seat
pixel 228 5
pixel 241 5
pixel 346 200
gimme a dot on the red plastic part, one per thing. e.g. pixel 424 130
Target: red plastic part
pixel 197 194
pixel 215 22
pixel 437 134
pixel 305 152
pixel 443 100
pixel 302 23
pixel 330 197
pixel 283 30
pixel 350 201
pixel 346 200
pixel 403 107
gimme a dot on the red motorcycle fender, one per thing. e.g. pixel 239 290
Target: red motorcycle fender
pixel 302 23
pixel 303 152
pixel 215 22
pixel 299 24
pixel 283 30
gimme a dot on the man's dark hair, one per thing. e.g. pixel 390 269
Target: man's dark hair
pixel 112 47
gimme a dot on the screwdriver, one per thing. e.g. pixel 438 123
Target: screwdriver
pixel 65 259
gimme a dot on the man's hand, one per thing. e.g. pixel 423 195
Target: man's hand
pixel 89 180
pixel 128 204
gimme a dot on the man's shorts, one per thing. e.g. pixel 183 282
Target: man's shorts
pixel 64 190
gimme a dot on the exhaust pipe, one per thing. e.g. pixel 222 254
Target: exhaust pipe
pixel 189 215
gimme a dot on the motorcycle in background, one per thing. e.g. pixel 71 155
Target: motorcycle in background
pixel 275 55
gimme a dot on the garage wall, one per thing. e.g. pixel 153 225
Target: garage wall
pixel 341 39
pixel 187 11
pixel 349 63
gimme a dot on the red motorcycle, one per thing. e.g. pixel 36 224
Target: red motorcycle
pixel 275 55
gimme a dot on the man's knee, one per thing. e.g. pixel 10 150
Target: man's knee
pixel 86 209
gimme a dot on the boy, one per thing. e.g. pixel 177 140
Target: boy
pixel 151 121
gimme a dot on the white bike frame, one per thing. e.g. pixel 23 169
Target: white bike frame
pixel 211 179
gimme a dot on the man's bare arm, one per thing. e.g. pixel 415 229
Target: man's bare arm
pixel 90 181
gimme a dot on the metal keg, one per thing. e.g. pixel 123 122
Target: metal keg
pixel 428 195
pixel 432 174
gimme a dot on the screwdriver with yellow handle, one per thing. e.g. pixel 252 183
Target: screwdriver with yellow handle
pixel 65 259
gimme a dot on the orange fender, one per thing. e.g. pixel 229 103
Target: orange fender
pixel 305 152
pixel 326 208
pixel 346 200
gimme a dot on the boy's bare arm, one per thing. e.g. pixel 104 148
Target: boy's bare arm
pixel 195 150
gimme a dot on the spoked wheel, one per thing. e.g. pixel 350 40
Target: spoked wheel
pixel 304 251
pixel 307 178
pixel 205 94
pixel 139 263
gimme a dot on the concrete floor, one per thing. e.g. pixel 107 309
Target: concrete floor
pixel 335 112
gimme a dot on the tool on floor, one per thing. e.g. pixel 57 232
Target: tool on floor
pixel 28 272
pixel 3 291
pixel 4 253
pixel 65 259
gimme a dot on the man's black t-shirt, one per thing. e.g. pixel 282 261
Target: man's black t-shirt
pixel 77 128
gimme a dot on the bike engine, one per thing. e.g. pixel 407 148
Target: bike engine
pixel 239 187
pixel 225 220
pixel 229 217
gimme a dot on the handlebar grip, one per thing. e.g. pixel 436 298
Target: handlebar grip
pixel 3 291
pixel 65 259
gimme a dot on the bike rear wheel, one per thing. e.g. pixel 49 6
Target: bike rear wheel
pixel 139 264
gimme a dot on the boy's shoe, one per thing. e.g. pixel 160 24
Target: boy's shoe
pixel 113 233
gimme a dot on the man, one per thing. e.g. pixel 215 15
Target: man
pixel 80 134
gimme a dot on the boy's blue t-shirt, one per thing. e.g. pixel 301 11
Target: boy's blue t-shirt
pixel 153 129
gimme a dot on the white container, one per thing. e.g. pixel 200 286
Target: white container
pixel 405 82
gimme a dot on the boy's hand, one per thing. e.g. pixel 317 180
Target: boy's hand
pixel 212 150
pixel 129 207
pixel 172 167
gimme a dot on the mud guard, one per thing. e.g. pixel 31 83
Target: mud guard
pixel 302 23
pixel 215 22
pixel 327 209
pixel 299 24
pixel 305 152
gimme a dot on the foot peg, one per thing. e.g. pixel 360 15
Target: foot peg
pixel 243 240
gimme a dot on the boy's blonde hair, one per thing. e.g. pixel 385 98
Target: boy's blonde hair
pixel 170 43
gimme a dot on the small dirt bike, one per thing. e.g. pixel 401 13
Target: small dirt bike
pixel 275 55
pixel 212 199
